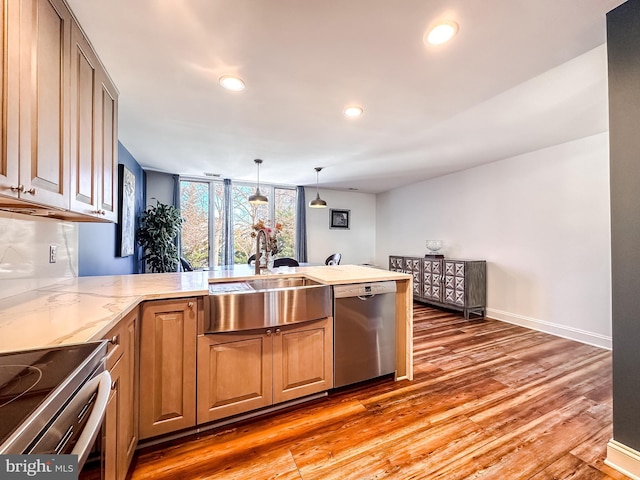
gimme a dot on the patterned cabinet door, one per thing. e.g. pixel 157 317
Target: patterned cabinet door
pixel 454 282
pixel 432 279
pixel 396 264
pixel 412 267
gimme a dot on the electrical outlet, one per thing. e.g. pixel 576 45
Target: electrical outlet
pixel 52 253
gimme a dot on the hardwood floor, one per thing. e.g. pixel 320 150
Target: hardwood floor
pixel 489 400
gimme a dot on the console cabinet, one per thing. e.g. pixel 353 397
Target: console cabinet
pixel 457 284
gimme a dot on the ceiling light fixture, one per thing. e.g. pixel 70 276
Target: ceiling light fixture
pixel 258 198
pixel 353 111
pixel 441 33
pixel 232 83
pixel 317 202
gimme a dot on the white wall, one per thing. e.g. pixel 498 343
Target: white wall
pixel 541 220
pixel 357 245
pixel 24 252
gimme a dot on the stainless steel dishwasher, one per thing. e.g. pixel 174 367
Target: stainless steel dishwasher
pixel 364 331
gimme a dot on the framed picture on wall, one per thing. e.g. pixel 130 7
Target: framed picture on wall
pixel 340 219
pixel 127 212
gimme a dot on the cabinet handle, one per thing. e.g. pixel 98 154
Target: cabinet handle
pixel 190 305
pixel 19 188
pixel 31 191
pixel 114 340
pixel 114 384
pixel 268 332
pixel 277 331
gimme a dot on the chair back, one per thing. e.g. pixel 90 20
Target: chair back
pixel 333 259
pixel 285 262
pixel 186 266
pixel 251 260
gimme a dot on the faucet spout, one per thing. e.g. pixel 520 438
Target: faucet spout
pixel 261 235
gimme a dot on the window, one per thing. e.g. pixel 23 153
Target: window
pixel 194 208
pixel 202 207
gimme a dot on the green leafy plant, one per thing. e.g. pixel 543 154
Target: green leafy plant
pixel 159 227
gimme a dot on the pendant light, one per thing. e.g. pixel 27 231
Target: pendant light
pixel 317 202
pixel 258 198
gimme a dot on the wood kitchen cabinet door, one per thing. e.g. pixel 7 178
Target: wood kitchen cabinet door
pixel 167 366
pixel 45 39
pixel 107 131
pixel 234 374
pixel 84 111
pixel 121 418
pixel 302 360
pixel 94 110
pixel 9 100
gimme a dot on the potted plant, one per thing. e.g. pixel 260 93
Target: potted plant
pixel 159 227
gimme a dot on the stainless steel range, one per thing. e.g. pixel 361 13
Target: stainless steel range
pixel 52 400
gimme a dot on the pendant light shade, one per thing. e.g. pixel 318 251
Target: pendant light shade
pixel 258 198
pixel 317 202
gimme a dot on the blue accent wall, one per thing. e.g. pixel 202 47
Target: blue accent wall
pixel 98 242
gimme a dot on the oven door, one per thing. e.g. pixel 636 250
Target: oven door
pixel 76 427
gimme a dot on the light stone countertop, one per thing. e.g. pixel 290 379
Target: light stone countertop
pixel 86 308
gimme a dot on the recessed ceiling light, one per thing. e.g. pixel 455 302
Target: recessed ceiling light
pixel 441 33
pixel 232 83
pixel 353 111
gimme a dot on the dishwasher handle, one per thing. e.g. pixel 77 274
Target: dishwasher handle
pixel 364 290
pixel 365 297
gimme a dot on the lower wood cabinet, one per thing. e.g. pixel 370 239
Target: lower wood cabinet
pixel 120 434
pixel 240 372
pixel 168 365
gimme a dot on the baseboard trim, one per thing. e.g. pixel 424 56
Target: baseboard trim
pixel 623 459
pixel 563 331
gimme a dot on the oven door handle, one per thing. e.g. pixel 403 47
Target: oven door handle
pixel 94 423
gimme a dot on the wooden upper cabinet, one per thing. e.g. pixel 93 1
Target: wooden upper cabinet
pixel 9 100
pixel 58 151
pixel 84 111
pixel 44 106
pixel 94 113
pixel 108 156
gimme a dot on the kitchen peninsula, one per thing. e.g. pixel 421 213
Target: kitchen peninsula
pixel 164 367
pixel 87 308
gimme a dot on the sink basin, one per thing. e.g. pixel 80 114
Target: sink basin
pixel 272 283
pixel 265 302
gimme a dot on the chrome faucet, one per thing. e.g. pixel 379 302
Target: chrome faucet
pixel 258 267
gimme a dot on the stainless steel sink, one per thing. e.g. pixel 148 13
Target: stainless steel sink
pixel 265 302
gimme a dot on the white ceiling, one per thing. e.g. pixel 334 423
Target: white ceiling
pixel 503 86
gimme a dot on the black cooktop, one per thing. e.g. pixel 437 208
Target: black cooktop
pixel 35 384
